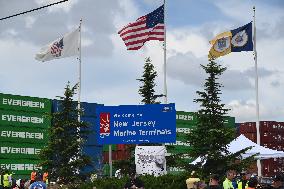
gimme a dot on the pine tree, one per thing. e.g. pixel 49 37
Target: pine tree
pixel 62 157
pixel 210 137
pixel 147 90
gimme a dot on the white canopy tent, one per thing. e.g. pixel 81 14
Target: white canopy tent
pixel 242 142
pixel 264 153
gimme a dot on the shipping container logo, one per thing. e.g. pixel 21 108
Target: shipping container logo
pixel 104 124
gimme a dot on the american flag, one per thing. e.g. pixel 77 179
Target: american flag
pixel 146 28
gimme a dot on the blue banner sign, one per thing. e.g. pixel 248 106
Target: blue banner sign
pixel 135 124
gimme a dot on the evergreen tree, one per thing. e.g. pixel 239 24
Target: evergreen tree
pixel 147 90
pixel 62 157
pixel 210 137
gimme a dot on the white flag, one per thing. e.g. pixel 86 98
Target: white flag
pixel 66 46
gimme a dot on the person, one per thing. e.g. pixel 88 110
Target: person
pixel 278 181
pixel 227 184
pixel 39 173
pixel 190 182
pixel 6 183
pixel 18 184
pixel 214 182
pixel 243 182
pixel 38 184
pixel 33 176
pixel 11 180
pixel 1 179
pixel 199 185
pixel 22 183
pixel 134 182
pixel 235 183
pixel 45 177
pixel 27 184
pixel 252 183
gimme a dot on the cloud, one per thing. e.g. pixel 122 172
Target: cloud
pixel 262 72
pixel 235 80
pixel 186 68
pixel 29 21
pixel 271 26
pixel 43 26
pixel 275 83
pixel 245 111
pixel 153 3
pixel 11 7
pixel 65 6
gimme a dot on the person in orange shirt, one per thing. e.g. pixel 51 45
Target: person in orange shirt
pixel 33 176
pixel 45 177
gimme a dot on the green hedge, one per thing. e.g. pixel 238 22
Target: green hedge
pixel 166 182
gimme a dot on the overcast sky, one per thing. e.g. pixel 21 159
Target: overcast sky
pixel 109 71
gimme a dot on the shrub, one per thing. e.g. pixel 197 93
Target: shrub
pixel 166 182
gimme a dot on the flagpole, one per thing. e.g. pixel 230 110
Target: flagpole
pixel 165 57
pixel 256 91
pixel 80 61
pixel 79 86
pixel 165 68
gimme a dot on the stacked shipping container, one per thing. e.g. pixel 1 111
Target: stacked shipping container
pixel 24 132
pixel 271 136
pixel 248 129
pixel 23 129
pixel 91 147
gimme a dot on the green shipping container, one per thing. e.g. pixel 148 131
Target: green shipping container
pixel 20 166
pixel 23 135
pixel 24 119
pixel 187 118
pixel 185 121
pixel 20 150
pixel 229 121
pixel 24 103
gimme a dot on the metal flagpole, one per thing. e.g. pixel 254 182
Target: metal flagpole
pixel 79 85
pixel 165 68
pixel 165 57
pixel 110 160
pixel 80 61
pixel 256 91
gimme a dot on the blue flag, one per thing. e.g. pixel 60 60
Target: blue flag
pixel 242 38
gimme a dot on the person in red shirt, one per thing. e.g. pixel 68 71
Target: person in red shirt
pixel 33 176
pixel 45 177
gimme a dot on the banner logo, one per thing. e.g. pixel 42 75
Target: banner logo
pixel 222 44
pixel 56 48
pixel 104 124
pixel 240 39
